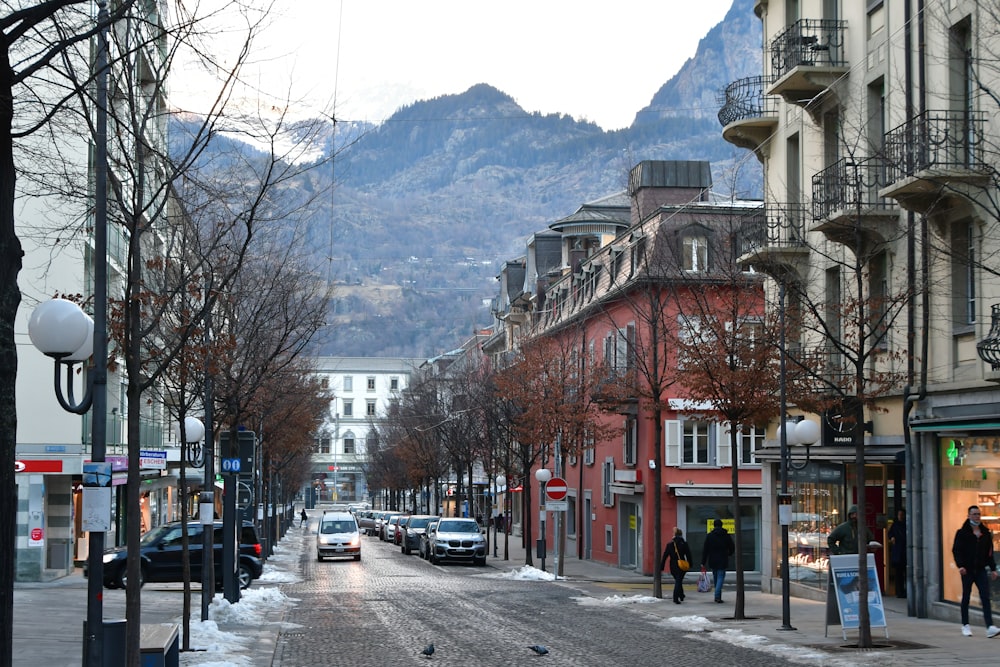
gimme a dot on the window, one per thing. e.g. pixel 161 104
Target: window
pixel 371 383
pixel 608 476
pixel 963 275
pixel 749 442
pixel 588 449
pixel 323 445
pixel 695 444
pixel 348 383
pixel 394 384
pixel 348 407
pixel 324 383
pixel 690 442
pixel 878 279
pixel 370 407
pixel 629 448
pixel 349 443
pixel 695 254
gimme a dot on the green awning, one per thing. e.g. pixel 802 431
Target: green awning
pixel 957 426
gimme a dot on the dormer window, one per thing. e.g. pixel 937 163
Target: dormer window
pixel 695 256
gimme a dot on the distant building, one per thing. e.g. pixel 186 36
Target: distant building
pixel 361 389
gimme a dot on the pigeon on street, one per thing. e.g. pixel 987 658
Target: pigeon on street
pixel 539 649
pixel 428 650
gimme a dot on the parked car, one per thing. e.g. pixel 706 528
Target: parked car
pixel 382 522
pixel 389 528
pixel 366 521
pixel 337 534
pixel 400 530
pixel 427 538
pixel 161 556
pixel 457 539
pixel 410 534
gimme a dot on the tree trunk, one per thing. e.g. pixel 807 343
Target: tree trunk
pixel 740 612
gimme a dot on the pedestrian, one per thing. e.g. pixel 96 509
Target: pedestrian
pixel 973 553
pixel 897 551
pixel 679 554
pixel 305 518
pixel 844 538
pixel 715 554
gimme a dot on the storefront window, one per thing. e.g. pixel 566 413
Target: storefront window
pixel 970 475
pixel 699 522
pixel 817 502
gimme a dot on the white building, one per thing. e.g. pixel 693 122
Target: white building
pixel 362 390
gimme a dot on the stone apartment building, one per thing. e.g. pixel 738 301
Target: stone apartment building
pixel 876 126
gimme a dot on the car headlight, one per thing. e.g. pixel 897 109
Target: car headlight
pixel 355 541
pixel 109 557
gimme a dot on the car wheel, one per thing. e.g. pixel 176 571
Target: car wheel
pixel 122 579
pixel 244 576
pixel 357 557
pixel 432 558
pixel 479 561
pixel 319 557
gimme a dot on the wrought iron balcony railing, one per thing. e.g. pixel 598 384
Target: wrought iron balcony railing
pixel 848 185
pixel 772 226
pixel 945 140
pixel 989 347
pixel 808 43
pixel 744 99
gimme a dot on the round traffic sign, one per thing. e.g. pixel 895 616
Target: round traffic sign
pixel 556 489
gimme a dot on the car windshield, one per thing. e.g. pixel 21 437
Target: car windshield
pixel 419 523
pixel 331 527
pixel 154 535
pixel 458 527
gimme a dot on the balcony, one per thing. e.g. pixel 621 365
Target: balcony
pixel 846 203
pixel 936 159
pixel 806 59
pixel 748 116
pixel 772 239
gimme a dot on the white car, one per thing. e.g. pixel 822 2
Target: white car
pixel 337 535
pixel 457 539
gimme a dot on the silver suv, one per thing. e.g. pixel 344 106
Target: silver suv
pixel 337 535
pixel 457 539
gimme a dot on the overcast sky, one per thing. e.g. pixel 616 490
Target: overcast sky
pixel 596 60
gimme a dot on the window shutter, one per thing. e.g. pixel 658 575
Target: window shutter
pixel 672 436
pixel 723 446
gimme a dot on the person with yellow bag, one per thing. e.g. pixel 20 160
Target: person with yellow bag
pixel 679 554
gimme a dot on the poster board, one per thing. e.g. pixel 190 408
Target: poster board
pixel 844 586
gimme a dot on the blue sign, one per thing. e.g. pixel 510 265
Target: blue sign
pixel 231 465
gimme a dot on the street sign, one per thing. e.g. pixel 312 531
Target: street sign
pixel 556 489
pixel 231 465
pixel 556 506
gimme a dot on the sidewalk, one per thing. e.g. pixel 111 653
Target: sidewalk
pixel 912 641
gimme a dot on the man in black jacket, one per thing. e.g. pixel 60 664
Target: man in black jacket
pixel 716 552
pixel 973 553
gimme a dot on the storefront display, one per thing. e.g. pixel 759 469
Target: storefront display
pixel 970 475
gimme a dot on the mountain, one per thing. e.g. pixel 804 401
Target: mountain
pixel 427 205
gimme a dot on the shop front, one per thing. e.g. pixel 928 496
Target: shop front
pixel 969 462
pixel 821 492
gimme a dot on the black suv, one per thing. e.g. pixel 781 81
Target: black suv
pixel 161 552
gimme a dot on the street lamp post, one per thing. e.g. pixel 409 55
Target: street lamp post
pixel 195 455
pixel 790 433
pixel 543 475
pixel 67 352
pixel 501 480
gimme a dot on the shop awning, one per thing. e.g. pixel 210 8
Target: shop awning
pixel 873 453
pixel 956 425
pixel 694 490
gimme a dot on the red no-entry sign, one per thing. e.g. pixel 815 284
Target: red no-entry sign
pixel 556 489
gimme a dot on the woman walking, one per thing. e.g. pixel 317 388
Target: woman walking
pixel 679 554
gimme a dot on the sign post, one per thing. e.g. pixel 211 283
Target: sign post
pixel 844 585
pixel 555 495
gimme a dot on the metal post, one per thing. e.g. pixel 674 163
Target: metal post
pixel 208 486
pixel 93 650
pixel 541 522
pixel 230 525
pixel 786 614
